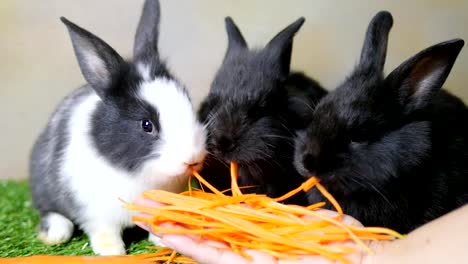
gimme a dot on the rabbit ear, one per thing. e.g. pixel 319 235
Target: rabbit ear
pixel 235 39
pixel 374 49
pixel 100 64
pixel 419 78
pixel 280 47
pixel 146 39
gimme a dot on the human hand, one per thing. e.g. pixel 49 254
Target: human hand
pixel 213 252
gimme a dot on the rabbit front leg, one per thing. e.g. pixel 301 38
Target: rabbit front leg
pixel 107 240
pixel 55 229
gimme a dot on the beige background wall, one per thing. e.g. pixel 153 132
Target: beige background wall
pixel 38 66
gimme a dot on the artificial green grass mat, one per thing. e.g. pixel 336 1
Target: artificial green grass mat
pixel 18 222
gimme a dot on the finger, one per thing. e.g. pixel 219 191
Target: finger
pixel 141 201
pixel 354 257
pixel 143 226
pixel 260 257
pixel 201 251
pixel 346 219
pixel 148 227
pixel 147 202
pixel 307 260
pixel 211 243
pixel 197 238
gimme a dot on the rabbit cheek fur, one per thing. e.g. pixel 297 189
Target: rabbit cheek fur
pixel 391 150
pixel 246 116
pixel 132 128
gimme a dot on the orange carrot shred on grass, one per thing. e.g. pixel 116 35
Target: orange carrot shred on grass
pixel 163 255
pixel 255 221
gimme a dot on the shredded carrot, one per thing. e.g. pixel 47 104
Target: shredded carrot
pixel 307 185
pixel 190 186
pixel 235 188
pixel 330 198
pixel 172 256
pixel 163 255
pixel 241 221
pixel 200 179
pixel 255 221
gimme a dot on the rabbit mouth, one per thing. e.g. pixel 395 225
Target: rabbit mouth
pixel 340 185
pixel 194 167
pixel 328 178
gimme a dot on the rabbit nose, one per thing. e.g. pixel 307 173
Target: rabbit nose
pixel 226 144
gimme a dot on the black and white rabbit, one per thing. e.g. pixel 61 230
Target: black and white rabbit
pixel 392 150
pixel 131 128
pixel 248 117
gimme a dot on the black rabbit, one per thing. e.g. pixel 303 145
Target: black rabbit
pixel 250 114
pixel 393 151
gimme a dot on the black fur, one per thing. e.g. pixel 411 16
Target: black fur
pixel 393 151
pixel 248 117
pixel 303 94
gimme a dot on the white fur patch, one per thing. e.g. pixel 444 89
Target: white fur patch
pixel 53 125
pixel 144 71
pixel 98 185
pixel 182 136
pixel 60 229
pixel 107 243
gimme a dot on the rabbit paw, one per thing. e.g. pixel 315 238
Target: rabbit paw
pixel 55 229
pixel 107 243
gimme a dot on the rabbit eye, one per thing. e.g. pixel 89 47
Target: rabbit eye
pixel 147 126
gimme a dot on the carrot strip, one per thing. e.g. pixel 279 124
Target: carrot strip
pixel 240 187
pixel 240 252
pixel 315 206
pixel 201 180
pixel 330 198
pixel 190 185
pixel 172 256
pixel 331 220
pixel 307 185
pixel 235 188
pixel 255 221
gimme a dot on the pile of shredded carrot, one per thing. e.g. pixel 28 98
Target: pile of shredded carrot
pixel 255 221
